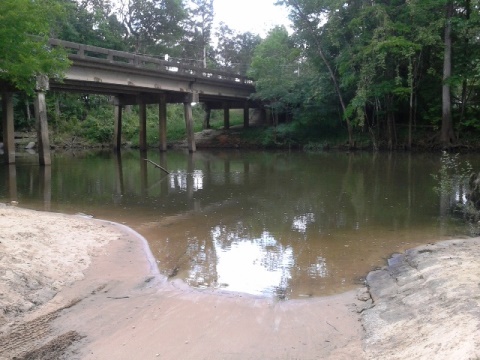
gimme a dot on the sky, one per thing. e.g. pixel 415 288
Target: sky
pixel 256 16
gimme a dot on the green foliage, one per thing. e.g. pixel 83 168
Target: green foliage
pixel 198 32
pixel 275 68
pixel 176 129
pixel 217 121
pixel 154 26
pixel 387 58
pixel 93 23
pixel 25 26
pixel 98 129
pixel 234 51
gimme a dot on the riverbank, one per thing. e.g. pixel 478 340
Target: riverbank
pixel 426 304
pixel 77 288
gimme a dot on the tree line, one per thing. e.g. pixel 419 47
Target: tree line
pixel 393 73
pixel 402 72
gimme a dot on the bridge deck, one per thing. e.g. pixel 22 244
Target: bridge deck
pixel 133 79
pixel 105 71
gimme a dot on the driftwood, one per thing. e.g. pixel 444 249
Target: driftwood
pixel 158 166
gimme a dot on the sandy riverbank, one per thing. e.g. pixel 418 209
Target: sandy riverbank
pixel 77 288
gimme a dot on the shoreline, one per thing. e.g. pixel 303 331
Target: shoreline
pixel 82 288
pixel 122 308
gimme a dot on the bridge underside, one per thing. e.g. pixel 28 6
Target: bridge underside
pixel 127 96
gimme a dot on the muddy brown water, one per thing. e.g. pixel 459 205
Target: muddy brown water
pixel 275 224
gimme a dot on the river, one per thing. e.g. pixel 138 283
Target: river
pixel 275 224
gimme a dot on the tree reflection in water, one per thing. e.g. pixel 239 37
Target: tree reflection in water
pixel 265 223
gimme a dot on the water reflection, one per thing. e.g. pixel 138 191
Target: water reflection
pixel 11 181
pixel 269 224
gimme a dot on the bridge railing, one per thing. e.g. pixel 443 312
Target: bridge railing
pixel 82 51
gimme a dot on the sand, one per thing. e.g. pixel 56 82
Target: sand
pixel 79 288
pixel 427 304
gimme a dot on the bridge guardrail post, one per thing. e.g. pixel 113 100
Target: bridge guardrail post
pixel 187 102
pixel 81 51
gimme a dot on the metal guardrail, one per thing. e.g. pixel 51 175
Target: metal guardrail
pixel 82 51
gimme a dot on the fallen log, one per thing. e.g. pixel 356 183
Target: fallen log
pixel 156 165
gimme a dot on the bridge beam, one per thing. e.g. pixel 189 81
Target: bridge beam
pixel 43 146
pixel 8 128
pixel 226 116
pixel 162 122
pixel 189 98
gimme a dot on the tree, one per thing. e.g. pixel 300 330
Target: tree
pixel 447 136
pixel 274 68
pixel 25 27
pixel 309 18
pixel 92 22
pixel 154 26
pixel 390 61
pixel 198 30
pixel 234 50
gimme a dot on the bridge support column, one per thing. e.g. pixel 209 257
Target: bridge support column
pixel 142 111
pixel 246 115
pixel 162 122
pixel 8 128
pixel 43 146
pixel 189 98
pixel 226 116
pixel 117 127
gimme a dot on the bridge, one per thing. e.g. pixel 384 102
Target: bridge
pixel 133 79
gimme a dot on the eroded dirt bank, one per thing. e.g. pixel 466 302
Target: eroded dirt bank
pixel 76 288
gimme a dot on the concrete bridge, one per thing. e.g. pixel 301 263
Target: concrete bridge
pixel 133 79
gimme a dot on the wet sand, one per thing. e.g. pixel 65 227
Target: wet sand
pixel 91 291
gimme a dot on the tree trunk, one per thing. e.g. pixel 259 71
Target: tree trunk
pixel 447 136
pixel 410 119
pixel 411 80
pixel 465 93
pixel 390 130
pixel 27 110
